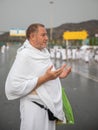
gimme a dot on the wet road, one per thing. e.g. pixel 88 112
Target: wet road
pixel 81 87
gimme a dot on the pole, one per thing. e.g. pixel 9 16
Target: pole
pixel 51 22
pixel 67 50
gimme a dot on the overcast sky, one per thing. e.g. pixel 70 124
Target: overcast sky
pixel 21 13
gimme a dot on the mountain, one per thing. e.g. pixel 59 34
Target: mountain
pixel 90 26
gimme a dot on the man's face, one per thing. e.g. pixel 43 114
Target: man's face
pixel 40 38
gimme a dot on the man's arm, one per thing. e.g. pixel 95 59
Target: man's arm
pixel 50 75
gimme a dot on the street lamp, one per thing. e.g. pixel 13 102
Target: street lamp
pixel 51 21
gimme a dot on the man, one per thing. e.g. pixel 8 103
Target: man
pixel 34 79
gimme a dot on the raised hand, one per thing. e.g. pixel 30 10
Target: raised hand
pixel 62 72
pixel 65 72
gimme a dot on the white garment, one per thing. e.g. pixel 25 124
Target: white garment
pixel 3 49
pixel 87 56
pixel 74 54
pixel 63 53
pixel 69 54
pixel 78 55
pixel 58 54
pixel 96 57
pixel 34 117
pixel 52 53
pixel 30 63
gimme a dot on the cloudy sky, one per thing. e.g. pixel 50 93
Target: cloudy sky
pixel 21 13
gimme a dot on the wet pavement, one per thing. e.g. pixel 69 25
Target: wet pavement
pixel 81 87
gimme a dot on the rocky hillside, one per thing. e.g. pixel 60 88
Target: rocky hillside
pixel 90 26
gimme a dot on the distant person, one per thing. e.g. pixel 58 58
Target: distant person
pixel 58 54
pixel 3 49
pixel 69 53
pixel 96 56
pixel 87 55
pixel 63 54
pixel 78 53
pixel 52 53
pixel 74 54
pixel 35 81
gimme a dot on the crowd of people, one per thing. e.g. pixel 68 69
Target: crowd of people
pixel 87 54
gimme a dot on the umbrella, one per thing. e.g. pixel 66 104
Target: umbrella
pixel 84 47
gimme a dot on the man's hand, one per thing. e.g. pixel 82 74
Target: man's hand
pixel 62 72
pixel 65 72
pixel 53 74
pixel 50 74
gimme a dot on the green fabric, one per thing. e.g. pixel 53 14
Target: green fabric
pixel 67 108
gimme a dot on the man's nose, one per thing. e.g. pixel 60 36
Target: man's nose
pixel 46 37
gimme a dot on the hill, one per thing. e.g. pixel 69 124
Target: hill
pixel 90 26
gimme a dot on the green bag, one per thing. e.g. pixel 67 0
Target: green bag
pixel 67 109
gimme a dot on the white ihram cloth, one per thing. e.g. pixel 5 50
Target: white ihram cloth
pixel 30 63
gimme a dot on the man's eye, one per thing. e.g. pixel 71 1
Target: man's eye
pixel 43 35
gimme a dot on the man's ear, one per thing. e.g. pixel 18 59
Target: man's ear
pixel 31 35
